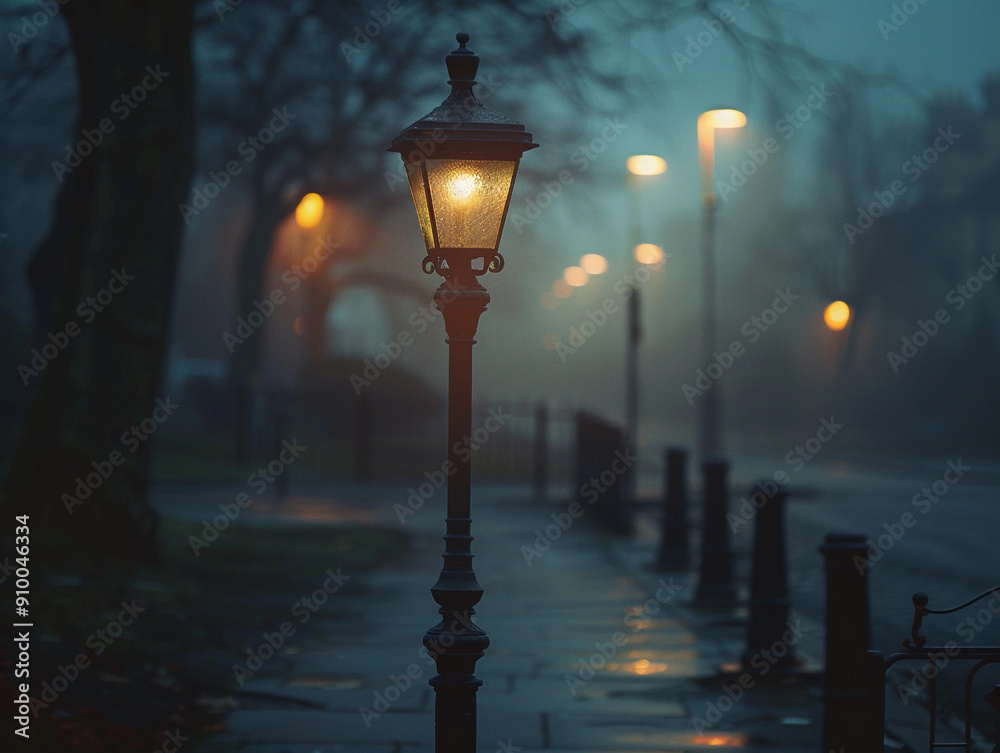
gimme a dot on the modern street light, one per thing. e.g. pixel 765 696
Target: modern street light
pixel 461 160
pixel 711 403
pixel 636 166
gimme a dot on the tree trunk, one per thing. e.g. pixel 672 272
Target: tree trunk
pixel 82 461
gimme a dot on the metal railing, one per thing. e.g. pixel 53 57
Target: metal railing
pixel 855 680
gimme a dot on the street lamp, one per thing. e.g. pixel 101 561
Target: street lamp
pixel 461 160
pixel 711 403
pixel 837 315
pixel 308 216
pixel 636 166
pixel 309 212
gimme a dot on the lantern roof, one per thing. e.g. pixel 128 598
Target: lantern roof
pixel 462 125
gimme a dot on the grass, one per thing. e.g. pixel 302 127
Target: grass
pixel 169 669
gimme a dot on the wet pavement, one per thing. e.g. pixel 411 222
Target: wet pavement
pixel 590 651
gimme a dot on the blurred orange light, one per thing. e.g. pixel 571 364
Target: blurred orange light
pixel 309 211
pixel 297 325
pixel 550 341
pixel 549 300
pixel 648 253
pixel 561 289
pixel 646 164
pixel 577 277
pixel 727 739
pixel 837 315
pixel 594 264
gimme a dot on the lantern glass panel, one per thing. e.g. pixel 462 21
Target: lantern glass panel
pixel 468 198
pixel 415 173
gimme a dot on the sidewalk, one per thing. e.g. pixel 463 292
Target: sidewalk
pixel 589 651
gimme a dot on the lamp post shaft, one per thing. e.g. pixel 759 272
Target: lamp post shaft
pixel 632 355
pixel 711 404
pixel 456 643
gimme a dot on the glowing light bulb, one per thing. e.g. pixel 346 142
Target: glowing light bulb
pixel 463 186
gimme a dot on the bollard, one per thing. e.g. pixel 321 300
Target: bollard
pixel 674 552
pixel 715 585
pixel 850 708
pixel 769 584
pixel 541 454
pixel 599 471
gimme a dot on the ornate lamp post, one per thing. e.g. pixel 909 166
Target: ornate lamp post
pixel 461 160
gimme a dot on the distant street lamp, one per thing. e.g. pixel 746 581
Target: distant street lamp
pixel 837 315
pixel 594 264
pixel 711 403
pixel 308 215
pixel 461 160
pixel 636 166
pixel 309 212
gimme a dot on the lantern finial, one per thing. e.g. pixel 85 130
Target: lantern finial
pixel 462 65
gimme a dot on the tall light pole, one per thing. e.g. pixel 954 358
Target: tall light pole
pixel 461 160
pixel 710 433
pixel 636 167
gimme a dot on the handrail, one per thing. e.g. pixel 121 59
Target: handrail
pixel 920 610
